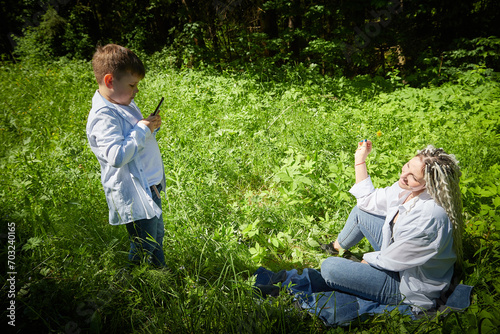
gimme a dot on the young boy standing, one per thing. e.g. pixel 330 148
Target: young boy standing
pixel 125 145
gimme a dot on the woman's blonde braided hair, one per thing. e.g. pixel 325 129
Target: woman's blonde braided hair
pixel 442 177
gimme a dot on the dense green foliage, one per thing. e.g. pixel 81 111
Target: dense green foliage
pixel 349 37
pixel 258 168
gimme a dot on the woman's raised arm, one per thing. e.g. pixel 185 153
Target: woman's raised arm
pixel 364 148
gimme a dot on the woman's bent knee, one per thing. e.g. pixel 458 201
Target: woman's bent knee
pixel 333 268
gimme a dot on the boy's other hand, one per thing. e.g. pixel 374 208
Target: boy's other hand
pixel 152 122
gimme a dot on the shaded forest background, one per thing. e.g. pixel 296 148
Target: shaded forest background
pixel 336 37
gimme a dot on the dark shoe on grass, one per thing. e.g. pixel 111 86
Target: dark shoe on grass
pixel 328 248
pixel 350 256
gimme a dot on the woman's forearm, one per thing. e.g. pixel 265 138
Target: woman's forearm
pixel 360 171
pixel 364 148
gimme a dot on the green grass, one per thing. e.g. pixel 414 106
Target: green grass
pixel 258 168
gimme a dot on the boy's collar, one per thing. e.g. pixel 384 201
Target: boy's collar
pixel 120 111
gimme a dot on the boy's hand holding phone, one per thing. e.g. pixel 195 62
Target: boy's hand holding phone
pixel 153 121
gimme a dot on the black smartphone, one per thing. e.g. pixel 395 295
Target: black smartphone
pixel 157 110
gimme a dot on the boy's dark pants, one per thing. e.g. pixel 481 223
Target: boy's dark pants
pixel 146 238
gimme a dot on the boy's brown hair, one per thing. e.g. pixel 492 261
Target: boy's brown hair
pixel 116 60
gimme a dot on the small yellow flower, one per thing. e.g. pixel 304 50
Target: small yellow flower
pixel 379 133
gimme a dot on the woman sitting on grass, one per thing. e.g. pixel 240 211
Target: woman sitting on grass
pixel 414 226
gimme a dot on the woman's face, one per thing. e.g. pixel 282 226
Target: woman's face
pixel 412 175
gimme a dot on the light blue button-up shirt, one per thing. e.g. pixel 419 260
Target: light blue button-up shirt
pixel 117 139
pixel 422 250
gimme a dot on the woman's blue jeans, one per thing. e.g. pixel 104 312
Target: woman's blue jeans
pixel 146 238
pixel 356 278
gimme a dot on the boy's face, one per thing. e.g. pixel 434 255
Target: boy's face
pixel 123 90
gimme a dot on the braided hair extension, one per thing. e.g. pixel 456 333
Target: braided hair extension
pixel 442 177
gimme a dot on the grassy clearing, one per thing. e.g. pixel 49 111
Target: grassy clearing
pixel 258 169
